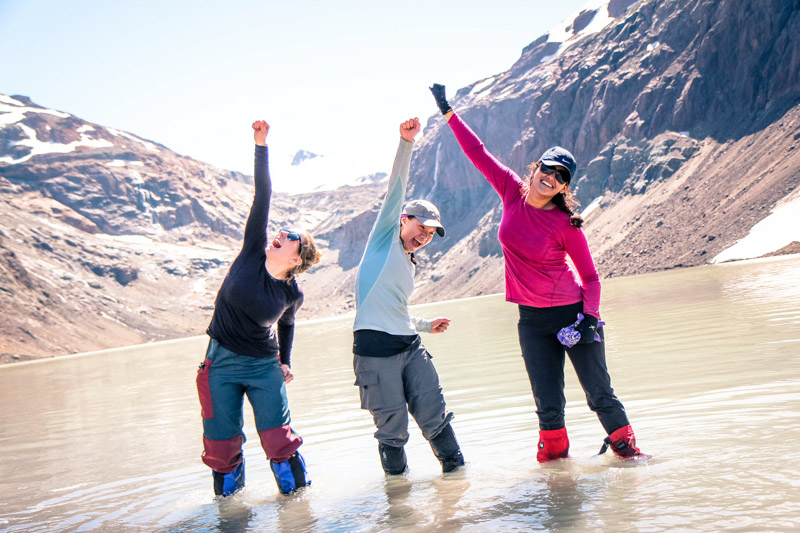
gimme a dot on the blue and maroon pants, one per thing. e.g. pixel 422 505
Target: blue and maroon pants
pixel 223 380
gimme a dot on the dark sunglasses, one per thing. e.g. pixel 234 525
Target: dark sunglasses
pixel 292 235
pixel 551 170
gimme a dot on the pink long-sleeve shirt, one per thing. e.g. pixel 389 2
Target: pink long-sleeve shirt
pixel 535 242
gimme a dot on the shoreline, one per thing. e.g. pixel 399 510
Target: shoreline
pixel 351 314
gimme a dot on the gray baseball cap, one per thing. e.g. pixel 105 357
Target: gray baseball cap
pixel 426 213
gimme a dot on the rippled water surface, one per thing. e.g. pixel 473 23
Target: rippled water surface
pixel 706 361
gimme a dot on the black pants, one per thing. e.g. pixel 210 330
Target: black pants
pixel 544 361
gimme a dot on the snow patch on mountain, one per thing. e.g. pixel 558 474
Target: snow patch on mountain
pixel 779 229
pixel 12 111
pixel 568 34
pixel 38 147
pixel 148 145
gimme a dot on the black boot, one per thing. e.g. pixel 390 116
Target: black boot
pixel 445 448
pixel 393 459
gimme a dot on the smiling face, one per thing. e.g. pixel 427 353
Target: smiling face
pixel 544 186
pixel 283 250
pixel 414 234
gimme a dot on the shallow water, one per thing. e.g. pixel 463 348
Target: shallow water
pixel 706 361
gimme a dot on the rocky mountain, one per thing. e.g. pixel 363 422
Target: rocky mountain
pixel 684 118
pixel 108 239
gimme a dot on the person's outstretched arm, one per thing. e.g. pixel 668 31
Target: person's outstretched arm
pixel 387 225
pixel 496 173
pixel 255 231
pixel 389 216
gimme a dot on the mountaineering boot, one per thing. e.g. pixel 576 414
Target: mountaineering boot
pixel 227 484
pixel 393 459
pixel 290 474
pixel 623 442
pixel 445 448
pixel 553 444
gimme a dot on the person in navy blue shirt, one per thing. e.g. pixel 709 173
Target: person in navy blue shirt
pixel 249 351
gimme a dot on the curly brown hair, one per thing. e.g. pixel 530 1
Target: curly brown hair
pixel 308 253
pixel 563 200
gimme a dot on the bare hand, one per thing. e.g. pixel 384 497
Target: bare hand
pixel 260 130
pixel 287 373
pixel 440 324
pixel 409 129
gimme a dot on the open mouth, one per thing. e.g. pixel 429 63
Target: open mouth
pixel 547 184
pixel 276 242
pixel 413 244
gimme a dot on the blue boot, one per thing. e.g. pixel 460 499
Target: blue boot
pixel 227 484
pixel 291 474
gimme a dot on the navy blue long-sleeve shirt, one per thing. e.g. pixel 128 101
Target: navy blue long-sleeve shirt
pixel 250 301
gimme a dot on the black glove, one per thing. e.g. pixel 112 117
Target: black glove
pixel 587 328
pixel 441 100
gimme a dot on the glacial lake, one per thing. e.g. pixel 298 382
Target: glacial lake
pixel 706 361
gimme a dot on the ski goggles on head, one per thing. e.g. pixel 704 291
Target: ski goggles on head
pixel 552 170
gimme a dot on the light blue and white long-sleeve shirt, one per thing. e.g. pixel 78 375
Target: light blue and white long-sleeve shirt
pixel 385 278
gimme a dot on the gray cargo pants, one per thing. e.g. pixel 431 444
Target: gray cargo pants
pixel 391 387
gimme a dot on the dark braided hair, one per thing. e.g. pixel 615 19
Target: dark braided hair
pixel 563 200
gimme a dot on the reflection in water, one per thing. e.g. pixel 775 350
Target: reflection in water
pixel 428 504
pixel 706 359
pixel 551 502
pixel 235 516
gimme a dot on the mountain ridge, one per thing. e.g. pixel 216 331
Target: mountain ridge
pixel 684 117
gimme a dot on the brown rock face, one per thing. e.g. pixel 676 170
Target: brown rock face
pixel 683 117
pixel 106 238
pixel 113 181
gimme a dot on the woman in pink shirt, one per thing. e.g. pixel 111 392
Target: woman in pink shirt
pixel 538 231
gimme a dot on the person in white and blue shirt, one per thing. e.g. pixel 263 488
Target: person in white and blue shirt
pixel 394 371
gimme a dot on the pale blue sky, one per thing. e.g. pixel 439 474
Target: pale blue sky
pixel 330 77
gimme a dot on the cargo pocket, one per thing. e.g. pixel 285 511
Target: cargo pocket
pixel 204 390
pixel 370 390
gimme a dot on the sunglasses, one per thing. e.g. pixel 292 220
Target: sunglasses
pixel 292 235
pixel 552 170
